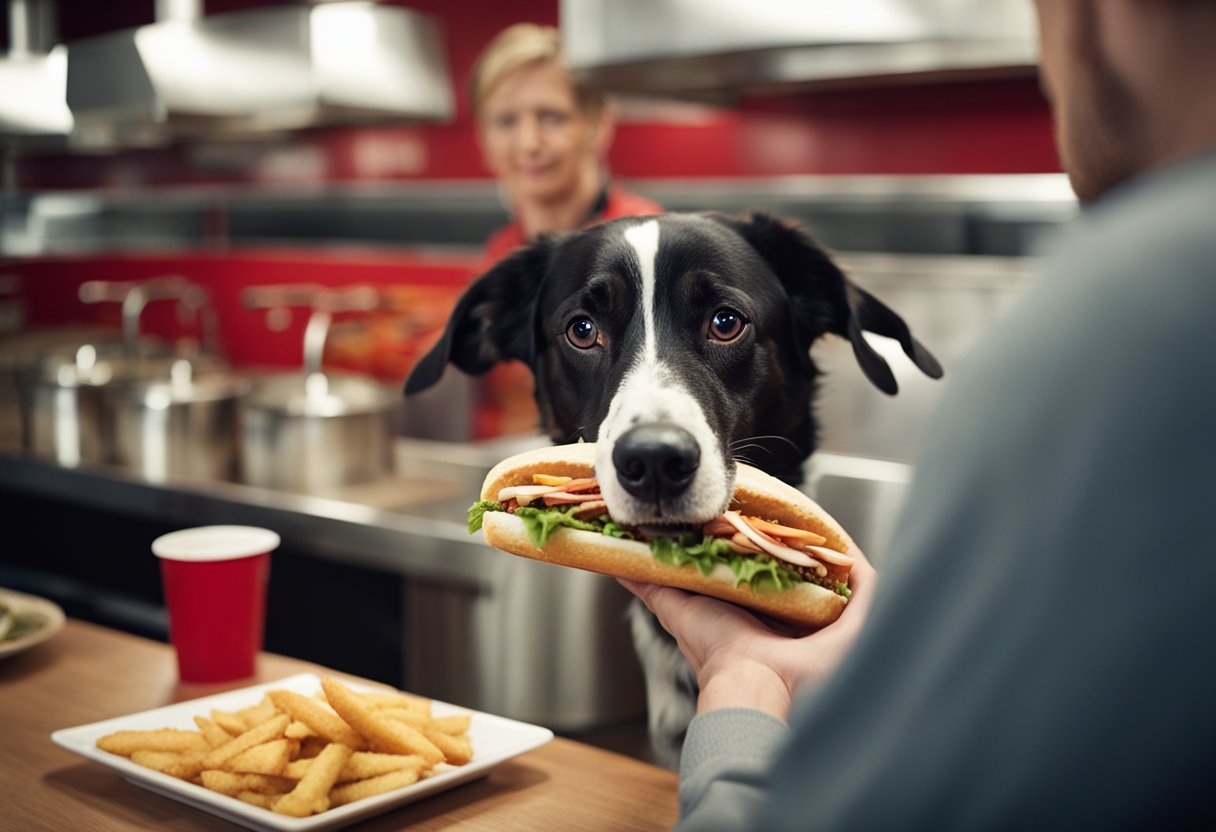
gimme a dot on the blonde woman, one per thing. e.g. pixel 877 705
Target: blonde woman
pixel 546 139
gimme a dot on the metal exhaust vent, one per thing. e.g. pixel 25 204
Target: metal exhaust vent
pixel 33 77
pixel 249 73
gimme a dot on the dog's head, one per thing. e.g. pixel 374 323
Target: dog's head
pixel 670 340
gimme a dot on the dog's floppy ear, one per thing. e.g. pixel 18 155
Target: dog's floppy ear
pixel 823 299
pixel 492 321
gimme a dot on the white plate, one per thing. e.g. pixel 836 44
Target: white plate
pixel 495 739
pixel 21 604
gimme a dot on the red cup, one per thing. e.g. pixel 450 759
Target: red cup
pixel 215 589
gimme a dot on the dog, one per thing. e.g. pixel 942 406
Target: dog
pixel 680 343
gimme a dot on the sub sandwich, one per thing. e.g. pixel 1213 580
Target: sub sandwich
pixel 773 550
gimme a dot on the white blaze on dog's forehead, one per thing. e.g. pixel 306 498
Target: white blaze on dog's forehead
pixel 645 241
pixel 651 392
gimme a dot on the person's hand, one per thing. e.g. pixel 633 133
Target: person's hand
pixel 743 662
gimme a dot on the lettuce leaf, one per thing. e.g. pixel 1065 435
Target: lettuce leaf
pixel 477 512
pixel 763 574
pixel 542 522
pixel 705 553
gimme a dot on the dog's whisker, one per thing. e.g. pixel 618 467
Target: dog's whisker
pixel 753 440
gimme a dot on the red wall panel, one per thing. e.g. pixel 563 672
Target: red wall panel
pixel 418 292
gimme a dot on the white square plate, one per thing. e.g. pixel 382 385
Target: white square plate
pixel 495 739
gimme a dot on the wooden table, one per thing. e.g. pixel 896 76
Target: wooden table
pixel 88 673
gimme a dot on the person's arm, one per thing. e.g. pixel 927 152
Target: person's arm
pixel 725 767
pixel 748 674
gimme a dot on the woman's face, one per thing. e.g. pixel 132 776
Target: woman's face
pixel 534 137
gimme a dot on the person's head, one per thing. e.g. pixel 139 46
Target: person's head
pixel 1132 84
pixel 542 135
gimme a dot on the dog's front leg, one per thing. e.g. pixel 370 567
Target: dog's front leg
pixel 671 685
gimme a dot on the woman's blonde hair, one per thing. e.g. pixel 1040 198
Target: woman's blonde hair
pixel 519 46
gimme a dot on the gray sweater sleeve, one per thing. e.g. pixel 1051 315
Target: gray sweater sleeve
pixel 724 768
pixel 1041 651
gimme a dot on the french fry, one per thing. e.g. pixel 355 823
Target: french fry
pixel 452 725
pixel 362 765
pixel 229 721
pixel 214 734
pixel 414 719
pixel 311 794
pixel 257 714
pixel 158 760
pixel 183 766
pixel 226 782
pixel 456 750
pixel 265 801
pixel 455 724
pixel 271 729
pixel 298 730
pixel 268 758
pixel 188 766
pixel 126 743
pixel 385 734
pixel 419 704
pixel 318 717
pixel 370 764
pixel 350 792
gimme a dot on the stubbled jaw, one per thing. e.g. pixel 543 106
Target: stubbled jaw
pixel 651 393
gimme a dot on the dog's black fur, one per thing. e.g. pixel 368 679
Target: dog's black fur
pixel 753 392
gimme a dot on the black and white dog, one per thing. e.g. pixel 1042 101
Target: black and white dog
pixel 679 343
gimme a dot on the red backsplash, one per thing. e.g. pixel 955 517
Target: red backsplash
pixel 418 291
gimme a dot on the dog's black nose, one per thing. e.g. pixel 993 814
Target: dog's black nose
pixel 656 461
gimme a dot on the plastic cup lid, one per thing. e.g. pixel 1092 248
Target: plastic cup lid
pixel 209 543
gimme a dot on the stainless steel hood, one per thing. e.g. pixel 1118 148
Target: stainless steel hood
pixel 728 51
pixel 33 79
pixel 264 70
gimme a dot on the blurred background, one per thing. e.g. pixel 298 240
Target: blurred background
pixel 229 227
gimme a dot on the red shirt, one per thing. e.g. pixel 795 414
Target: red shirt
pixel 620 203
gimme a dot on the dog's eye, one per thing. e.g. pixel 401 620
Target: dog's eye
pixel 726 325
pixel 583 333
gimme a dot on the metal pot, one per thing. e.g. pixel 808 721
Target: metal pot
pixel 176 419
pixel 21 353
pixel 63 414
pixel 313 431
pixel 132 403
